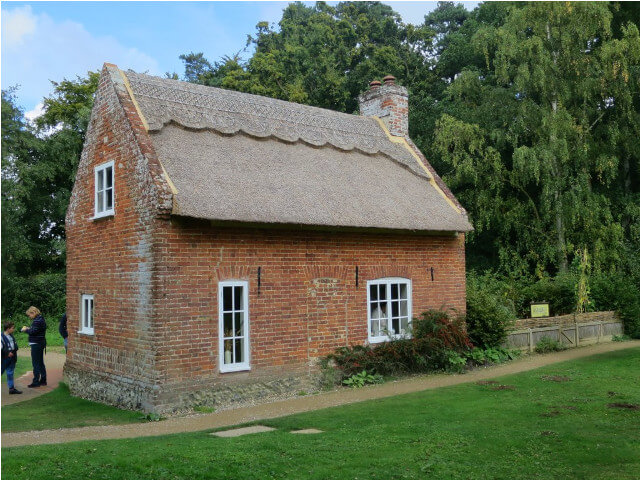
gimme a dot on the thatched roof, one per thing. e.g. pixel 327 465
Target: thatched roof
pixel 239 157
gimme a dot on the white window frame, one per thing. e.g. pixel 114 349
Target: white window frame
pixel 240 366
pixel 385 335
pixel 99 170
pixel 86 317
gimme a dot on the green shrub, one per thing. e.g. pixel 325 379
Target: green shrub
pixel 455 361
pixel 478 356
pixel 435 336
pixel 559 291
pixel 615 292
pixel 361 379
pixel 548 344
pixel 438 325
pixel 490 312
pixel 46 291
pixel 620 338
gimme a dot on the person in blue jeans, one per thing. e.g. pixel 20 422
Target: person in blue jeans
pixel 38 343
pixel 9 355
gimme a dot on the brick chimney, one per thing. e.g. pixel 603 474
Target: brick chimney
pixel 388 101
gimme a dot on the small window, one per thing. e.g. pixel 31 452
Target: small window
pixel 104 190
pixel 389 309
pixel 86 314
pixel 233 308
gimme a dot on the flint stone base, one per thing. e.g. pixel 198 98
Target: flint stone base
pixel 125 393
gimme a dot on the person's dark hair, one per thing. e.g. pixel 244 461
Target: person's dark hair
pixel 8 325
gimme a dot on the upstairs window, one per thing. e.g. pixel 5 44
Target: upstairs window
pixel 233 308
pixel 104 190
pixel 389 308
pixel 86 314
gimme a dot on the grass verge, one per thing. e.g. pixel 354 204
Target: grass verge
pixel 58 409
pixel 570 420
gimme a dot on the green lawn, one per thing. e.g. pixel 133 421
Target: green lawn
pixel 58 409
pixel 536 427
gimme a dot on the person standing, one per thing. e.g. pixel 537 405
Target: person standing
pixel 9 355
pixel 62 328
pixel 38 343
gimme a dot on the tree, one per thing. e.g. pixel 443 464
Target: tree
pixel 322 55
pixel 38 171
pixel 532 144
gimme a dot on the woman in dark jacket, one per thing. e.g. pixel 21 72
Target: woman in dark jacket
pixel 38 342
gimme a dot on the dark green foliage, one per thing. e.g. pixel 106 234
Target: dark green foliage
pixel 361 379
pixel 560 292
pixel 436 336
pixel 615 292
pixel 438 324
pixel 548 344
pixel 490 312
pixel 38 170
pixel 489 356
pixel 45 289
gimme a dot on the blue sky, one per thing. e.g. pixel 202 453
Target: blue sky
pixel 44 41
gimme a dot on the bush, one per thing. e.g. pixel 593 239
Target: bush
pixel 361 379
pixel 548 344
pixel 478 356
pixel 46 291
pixel 615 292
pixel 438 325
pixel 435 337
pixel 559 291
pixel 490 313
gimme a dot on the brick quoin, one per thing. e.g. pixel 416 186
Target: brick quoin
pixel 155 281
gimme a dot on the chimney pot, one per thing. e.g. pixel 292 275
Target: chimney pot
pixel 389 80
pixel 388 102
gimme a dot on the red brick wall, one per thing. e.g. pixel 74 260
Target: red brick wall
pixel 308 302
pixel 112 257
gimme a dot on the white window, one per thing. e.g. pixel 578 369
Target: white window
pixel 86 314
pixel 233 309
pixel 104 190
pixel 389 308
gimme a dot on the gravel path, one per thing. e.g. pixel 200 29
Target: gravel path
pixel 302 404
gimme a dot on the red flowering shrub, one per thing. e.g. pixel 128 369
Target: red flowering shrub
pixel 435 335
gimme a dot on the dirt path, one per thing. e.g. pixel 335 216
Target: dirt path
pixel 302 404
pixel 53 362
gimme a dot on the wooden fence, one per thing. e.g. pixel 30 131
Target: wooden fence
pixel 572 335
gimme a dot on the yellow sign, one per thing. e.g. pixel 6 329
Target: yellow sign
pixel 539 310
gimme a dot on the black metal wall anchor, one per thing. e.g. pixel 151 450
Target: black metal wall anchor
pixel 259 275
pixel 432 274
pixel 356 276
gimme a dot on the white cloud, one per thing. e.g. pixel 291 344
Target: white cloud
pixel 36 49
pixel 31 115
pixel 16 24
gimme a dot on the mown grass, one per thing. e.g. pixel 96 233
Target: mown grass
pixel 58 409
pixel 551 423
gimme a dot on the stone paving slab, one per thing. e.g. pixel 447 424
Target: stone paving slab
pixel 238 432
pixel 307 431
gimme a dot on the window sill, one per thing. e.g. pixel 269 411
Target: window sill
pixel 376 340
pixel 238 368
pixel 86 333
pixel 102 215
